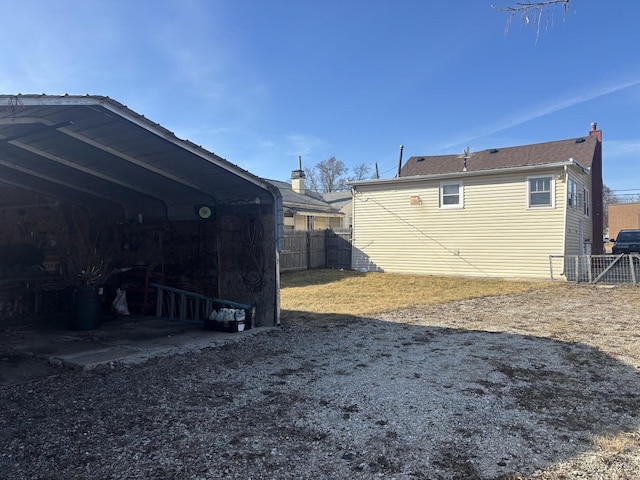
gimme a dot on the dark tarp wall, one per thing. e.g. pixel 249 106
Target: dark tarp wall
pixel 247 250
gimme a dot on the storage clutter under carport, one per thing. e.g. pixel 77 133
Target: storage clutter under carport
pixel 103 189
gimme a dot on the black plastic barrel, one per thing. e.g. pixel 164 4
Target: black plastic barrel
pixel 85 308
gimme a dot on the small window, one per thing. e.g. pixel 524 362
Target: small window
pixel 311 222
pixel 585 196
pixel 451 195
pixel 572 194
pixel 540 193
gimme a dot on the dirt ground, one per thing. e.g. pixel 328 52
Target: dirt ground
pixel 541 385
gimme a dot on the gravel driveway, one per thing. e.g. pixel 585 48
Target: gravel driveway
pixel 540 385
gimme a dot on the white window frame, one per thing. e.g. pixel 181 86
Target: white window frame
pixel 311 222
pixel 572 193
pixel 587 205
pixel 552 192
pixel 460 186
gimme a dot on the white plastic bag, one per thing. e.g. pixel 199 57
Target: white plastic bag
pixel 119 304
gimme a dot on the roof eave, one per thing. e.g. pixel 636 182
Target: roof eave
pixel 312 212
pixel 476 173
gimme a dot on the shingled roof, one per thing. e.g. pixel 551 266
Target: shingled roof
pixel 582 150
pixel 308 201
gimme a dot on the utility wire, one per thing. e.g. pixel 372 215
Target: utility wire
pixel 420 232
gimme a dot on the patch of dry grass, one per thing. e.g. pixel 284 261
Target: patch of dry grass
pixel 617 443
pixel 355 293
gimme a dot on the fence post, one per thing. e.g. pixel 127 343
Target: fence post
pixel 326 248
pixel 308 242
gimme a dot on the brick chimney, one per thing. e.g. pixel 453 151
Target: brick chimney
pixel 595 132
pixel 597 207
pixel 297 178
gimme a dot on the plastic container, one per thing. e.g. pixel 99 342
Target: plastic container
pixel 85 308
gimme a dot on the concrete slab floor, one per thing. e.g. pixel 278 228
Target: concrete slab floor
pixel 40 347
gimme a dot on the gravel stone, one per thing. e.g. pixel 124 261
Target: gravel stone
pixel 543 385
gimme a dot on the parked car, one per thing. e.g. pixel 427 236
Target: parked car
pixel 627 241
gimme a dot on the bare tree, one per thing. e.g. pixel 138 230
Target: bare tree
pixel 361 172
pixel 326 176
pixel 532 13
pixel 331 173
pixel 311 179
pixel 608 198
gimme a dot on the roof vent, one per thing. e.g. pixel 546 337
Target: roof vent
pixel 580 140
pixel 494 150
pixel 421 159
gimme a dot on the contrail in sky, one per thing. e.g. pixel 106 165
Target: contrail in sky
pixel 545 110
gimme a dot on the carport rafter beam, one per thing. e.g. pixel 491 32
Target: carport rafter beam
pixel 88 171
pixel 187 145
pixel 56 181
pixel 66 131
pixel 133 160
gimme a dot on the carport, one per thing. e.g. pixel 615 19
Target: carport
pixel 86 171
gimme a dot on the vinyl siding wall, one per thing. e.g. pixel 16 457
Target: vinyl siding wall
pixel 493 235
pixel 579 226
pixel 320 222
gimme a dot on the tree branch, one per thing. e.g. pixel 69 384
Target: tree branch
pixel 531 12
pixel 525 6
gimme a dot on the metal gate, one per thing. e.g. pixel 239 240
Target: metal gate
pixel 608 269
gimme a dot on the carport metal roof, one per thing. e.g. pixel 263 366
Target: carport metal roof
pixel 93 151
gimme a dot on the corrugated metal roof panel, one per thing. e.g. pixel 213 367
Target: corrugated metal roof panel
pixel 100 149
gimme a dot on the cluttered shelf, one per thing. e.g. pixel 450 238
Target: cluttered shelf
pixel 28 294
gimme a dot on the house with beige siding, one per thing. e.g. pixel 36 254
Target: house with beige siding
pixel 496 213
pixel 341 201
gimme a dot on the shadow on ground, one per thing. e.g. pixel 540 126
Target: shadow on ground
pixel 39 347
pixel 327 398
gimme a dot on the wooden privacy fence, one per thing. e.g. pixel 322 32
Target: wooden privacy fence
pixel 303 250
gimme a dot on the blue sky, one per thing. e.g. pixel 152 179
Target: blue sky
pixel 260 82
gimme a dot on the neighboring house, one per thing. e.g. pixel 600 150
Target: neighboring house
pixel 623 216
pixel 342 201
pixel 304 209
pixel 496 213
